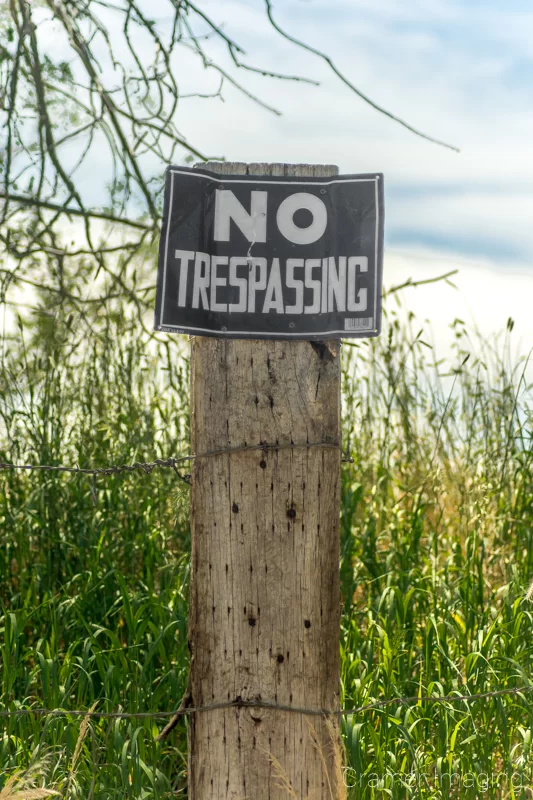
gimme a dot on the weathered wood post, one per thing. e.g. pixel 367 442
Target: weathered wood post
pixel 264 613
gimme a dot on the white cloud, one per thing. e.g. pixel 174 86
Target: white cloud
pixel 503 219
pixel 485 297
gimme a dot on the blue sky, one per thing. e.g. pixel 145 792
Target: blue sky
pixel 459 70
pixel 462 72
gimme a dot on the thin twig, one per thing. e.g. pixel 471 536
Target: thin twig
pixel 349 84
pixel 411 282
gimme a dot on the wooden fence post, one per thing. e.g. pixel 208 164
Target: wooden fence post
pixel 264 616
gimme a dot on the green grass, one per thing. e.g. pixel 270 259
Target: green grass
pixel 437 553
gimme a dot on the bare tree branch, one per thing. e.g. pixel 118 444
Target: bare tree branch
pixel 76 212
pixel 348 83
pixel 108 108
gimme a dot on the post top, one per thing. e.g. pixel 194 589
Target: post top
pixel 263 168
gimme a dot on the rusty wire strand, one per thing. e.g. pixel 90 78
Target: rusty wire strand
pixel 148 466
pixel 240 703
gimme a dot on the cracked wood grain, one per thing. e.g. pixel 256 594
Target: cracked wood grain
pixel 264 614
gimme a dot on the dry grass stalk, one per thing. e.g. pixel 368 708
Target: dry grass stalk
pixel 338 790
pixel 84 729
pixel 21 785
pixel 282 777
pixel 339 758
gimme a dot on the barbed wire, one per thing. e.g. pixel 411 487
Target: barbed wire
pixel 241 703
pixel 172 462
pixel 187 710
pixel 143 466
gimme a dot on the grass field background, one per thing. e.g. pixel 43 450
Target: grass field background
pixel 437 555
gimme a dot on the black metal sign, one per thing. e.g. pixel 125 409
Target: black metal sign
pixel 266 257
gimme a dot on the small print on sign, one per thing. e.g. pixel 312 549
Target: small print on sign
pixel 265 257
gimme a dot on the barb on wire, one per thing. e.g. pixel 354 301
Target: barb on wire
pixel 238 702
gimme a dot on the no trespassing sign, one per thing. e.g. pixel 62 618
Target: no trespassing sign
pixel 266 257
